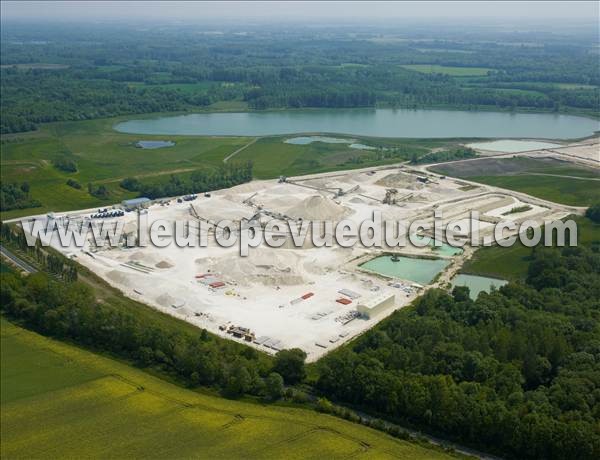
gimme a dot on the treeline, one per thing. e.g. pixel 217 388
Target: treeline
pixel 459 153
pixel 55 264
pixel 225 176
pixel 294 98
pixel 516 372
pixel 30 98
pixel 16 196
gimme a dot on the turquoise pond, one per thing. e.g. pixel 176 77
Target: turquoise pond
pixel 445 250
pixel 477 284
pixel 421 271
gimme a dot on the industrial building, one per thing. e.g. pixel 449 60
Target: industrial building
pixel 377 304
pixel 135 203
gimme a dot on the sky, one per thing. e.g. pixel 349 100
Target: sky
pixel 537 11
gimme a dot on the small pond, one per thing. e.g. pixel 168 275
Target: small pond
pixel 305 140
pixel 444 250
pixel 513 146
pixel 421 271
pixel 150 145
pixel 477 284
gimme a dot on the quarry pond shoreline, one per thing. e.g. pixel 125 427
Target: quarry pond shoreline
pixel 383 123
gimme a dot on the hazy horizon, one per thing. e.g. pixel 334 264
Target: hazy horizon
pixel 99 11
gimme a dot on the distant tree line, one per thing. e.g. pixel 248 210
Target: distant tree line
pixel 117 77
pixel 227 175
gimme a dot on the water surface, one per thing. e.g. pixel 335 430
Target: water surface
pixel 421 271
pixel 513 145
pixel 369 122
pixel 305 140
pixel 477 284
pixel 154 144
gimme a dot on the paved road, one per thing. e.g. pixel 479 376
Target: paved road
pixel 18 262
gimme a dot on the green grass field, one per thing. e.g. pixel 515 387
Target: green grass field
pixel 557 189
pixel 273 157
pixel 104 156
pixel 512 263
pixel 60 401
pixel 449 70
pixel 547 179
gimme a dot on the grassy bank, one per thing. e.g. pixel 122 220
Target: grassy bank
pixel 549 179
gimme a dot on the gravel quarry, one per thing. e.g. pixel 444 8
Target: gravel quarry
pixel 307 296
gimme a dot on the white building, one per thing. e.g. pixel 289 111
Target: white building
pixel 373 305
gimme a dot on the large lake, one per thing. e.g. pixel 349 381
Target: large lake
pixel 369 122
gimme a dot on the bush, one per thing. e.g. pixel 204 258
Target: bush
pixel 593 213
pixel 73 183
pixel 65 165
pixel 131 184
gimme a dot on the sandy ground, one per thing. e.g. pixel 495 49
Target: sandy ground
pixel 261 292
pixel 585 152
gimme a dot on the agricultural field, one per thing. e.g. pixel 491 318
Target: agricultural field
pixel 449 70
pixel 549 179
pixel 47 386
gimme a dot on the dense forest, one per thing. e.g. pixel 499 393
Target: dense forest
pixel 516 371
pixel 53 73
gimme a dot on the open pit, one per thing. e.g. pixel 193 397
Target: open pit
pixel 305 297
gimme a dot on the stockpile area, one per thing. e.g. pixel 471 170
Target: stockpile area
pixel 284 297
